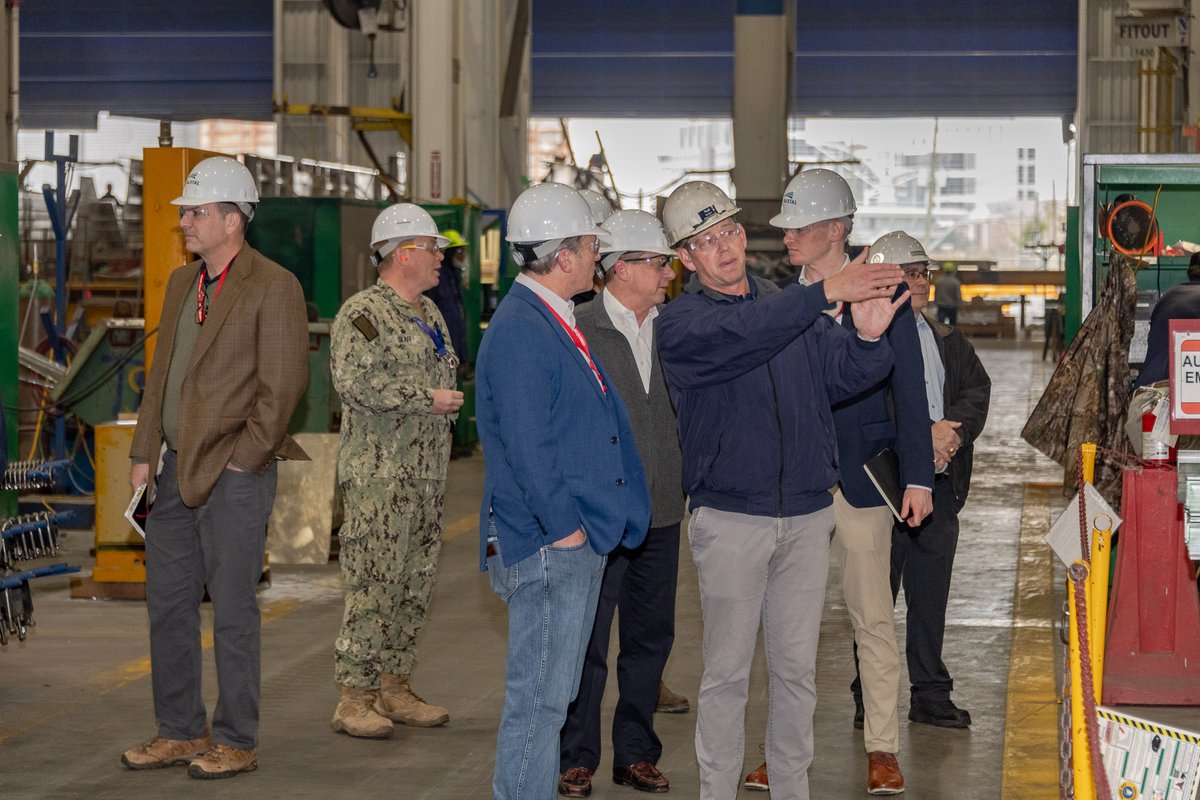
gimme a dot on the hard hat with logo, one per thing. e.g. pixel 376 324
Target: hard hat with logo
pixel 598 203
pixel 453 239
pixel 693 207
pixel 544 215
pixel 814 195
pixel 897 247
pixel 219 179
pixel 632 232
pixel 397 223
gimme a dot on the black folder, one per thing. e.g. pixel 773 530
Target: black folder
pixel 884 472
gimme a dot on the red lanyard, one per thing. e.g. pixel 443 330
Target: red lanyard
pixel 580 343
pixel 201 306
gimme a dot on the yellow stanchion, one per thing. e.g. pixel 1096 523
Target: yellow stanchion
pixel 1081 761
pixel 1089 463
pixel 1098 597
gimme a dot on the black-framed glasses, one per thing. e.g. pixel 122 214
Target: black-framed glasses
pixel 917 274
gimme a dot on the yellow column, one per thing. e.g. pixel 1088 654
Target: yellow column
pixel 1098 597
pixel 164 169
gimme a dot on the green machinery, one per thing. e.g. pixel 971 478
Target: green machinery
pixel 10 260
pixel 1128 190
pixel 324 241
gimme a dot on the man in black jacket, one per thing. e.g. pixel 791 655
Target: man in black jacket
pixel 959 390
pixel 619 327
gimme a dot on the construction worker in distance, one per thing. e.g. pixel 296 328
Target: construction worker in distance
pixel 448 295
pixel 753 370
pixel 230 368
pixel 817 215
pixel 640 581
pixel 948 294
pixel 395 370
pixel 958 391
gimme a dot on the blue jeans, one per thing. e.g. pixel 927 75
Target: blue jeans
pixel 551 599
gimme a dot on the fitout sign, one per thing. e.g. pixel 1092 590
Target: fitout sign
pixel 1146 32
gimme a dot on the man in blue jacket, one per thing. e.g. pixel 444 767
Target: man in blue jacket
pixel 564 484
pixel 753 371
pixel 817 214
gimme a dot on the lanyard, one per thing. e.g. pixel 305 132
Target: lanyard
pixel 438 338
pixel 201 306
pixel 580 343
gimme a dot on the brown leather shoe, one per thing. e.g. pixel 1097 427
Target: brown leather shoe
pixel 669 702
pixel 757 780
pixel 883 773
pixel 575 782
pixel 160 752
pixel 223 761
pixel 642 776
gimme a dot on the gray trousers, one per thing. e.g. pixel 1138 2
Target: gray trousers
pixel 751 567
pixel 219 545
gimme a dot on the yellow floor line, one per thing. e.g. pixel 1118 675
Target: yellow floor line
pixel 468 523
pixel 1031 719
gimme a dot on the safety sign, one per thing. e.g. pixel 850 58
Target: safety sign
pixel 1148 761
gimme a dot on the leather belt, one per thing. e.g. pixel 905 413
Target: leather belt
pixel 491 549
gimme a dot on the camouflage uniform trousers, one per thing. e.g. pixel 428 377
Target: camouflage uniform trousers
pixel 390 542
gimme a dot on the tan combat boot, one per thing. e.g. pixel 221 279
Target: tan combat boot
pixel 397 702
pixel 356 716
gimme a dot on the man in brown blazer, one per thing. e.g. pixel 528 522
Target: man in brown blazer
pixel 232 365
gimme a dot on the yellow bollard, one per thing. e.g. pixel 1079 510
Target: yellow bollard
pixel 1089 462
pixel 1098 597
pixel 1081 761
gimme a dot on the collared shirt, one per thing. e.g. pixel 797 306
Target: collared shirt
pixel 935 372
pixel 835 310
pixel 564 308
pixel 640 337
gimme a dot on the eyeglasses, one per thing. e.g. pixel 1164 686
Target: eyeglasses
pixel 197 212
pixel 655 262
pixel 703 244
pixel 594 247
pixel 917 274
pixel 428 247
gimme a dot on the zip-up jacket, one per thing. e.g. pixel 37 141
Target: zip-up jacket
pixel 752 379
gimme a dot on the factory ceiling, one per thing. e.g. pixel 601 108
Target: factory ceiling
pixel 662 58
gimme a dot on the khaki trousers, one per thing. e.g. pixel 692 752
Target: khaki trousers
pixel 862 545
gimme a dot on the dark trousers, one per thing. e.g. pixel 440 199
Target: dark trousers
pixel 641 583
pixel 219 545
pixel 922 561
pixel 948 315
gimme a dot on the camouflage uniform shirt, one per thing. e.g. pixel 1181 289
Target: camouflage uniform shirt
pixel 385 369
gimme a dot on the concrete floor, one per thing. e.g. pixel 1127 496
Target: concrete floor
pixel 77 692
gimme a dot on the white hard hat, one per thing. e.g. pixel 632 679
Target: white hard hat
pixel 632 232
pixel 544 215
pixel 598 203
pixel 398 223
pixel 219 179
pixel 897 247
pixel 693 207
pixel 814 195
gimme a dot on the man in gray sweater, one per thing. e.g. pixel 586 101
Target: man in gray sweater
pixel 618 326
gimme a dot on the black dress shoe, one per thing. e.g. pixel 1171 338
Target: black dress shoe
pixel 642 776
pixel 939 711
pixel 858 713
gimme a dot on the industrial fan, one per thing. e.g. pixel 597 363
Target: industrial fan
pixel 1132 227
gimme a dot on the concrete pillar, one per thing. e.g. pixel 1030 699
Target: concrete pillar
pixel 437 164
pixel 764 36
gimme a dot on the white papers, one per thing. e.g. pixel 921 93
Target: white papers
pixel 136 515
pixel 1063 537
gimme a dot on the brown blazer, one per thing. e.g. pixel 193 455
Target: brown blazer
pixel 245 377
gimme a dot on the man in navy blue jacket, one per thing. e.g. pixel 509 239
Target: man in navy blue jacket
pixel 817 214
pixel 753 371
pixel 564 484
